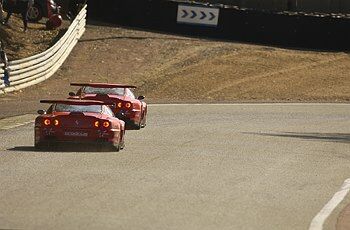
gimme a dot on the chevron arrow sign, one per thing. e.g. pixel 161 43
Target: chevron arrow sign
pixel 205 16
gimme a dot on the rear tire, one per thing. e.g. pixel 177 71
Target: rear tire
pixel 138 127
pixel 117 148
pixel 143 122
pixel 122 141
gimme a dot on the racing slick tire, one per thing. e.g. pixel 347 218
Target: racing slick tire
pixel 143 121
pixel 138 127
pixel 122 141
pixel 116 147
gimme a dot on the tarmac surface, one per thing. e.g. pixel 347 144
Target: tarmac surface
pixel 241 166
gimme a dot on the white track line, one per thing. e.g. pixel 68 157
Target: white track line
pixel 16 121
pixel 17 125
pixel 249 104
pixel 318 221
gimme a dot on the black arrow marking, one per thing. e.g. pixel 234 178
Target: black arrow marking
pixel 203 15
pixel 193 14
pixel 185 14
pixel 212 16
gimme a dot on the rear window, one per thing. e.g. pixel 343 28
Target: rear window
pixel 113 91
pixel 78 108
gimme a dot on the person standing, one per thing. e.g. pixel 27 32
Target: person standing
pixel 19 5
pixel 1 12
pixel 4 60
pixel 74 7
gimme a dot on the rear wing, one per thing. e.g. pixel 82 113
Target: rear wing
pixel 103 85
pixel 75 102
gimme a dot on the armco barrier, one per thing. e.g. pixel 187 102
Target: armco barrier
pixel 32 70
pixel 290 29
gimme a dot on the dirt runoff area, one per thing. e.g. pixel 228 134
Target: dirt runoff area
pixel 174 69
pixel 20 44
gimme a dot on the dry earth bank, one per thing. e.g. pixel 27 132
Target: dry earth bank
pixel 170 69
pixel 19 44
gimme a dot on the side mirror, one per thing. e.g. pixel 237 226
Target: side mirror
pixel 41 112
pixel 71 94
pixel 141 98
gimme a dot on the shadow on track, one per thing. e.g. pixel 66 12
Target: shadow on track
pixel 63 149
pixel 328 137
pixel 23 149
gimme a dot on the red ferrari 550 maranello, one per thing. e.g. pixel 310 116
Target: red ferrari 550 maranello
pixel 125 105
pixel 78 121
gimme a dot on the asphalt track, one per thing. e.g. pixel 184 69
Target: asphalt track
pixel 244 166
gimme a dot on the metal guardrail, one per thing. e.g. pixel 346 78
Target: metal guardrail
pixel 35 69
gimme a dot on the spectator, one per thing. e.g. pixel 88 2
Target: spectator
pixel 21 6
pixel 1 12
pixel 4 60
pixel 74 8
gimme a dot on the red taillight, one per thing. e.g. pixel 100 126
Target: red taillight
pixel 47 122
pixel 128 105
pixel 96 124
pixel 106 124
pixel 119 105
pixel 56 122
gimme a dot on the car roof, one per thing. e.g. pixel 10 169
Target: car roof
pixel 75 102
pixel 103 85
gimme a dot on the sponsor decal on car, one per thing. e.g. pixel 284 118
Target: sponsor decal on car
pixel 76 134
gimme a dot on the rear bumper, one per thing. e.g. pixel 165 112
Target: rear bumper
pixel 74 145
pixel 95 137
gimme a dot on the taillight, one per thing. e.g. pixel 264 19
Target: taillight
pixel 106 124
pixel 47 122
pixel 96 124
pixel 56 122
pixel 128 105
pixel 119 105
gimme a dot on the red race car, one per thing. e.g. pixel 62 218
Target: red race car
pixel 125 105
pixel 78 121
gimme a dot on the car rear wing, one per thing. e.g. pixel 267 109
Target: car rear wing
pixel 76 102
pixel 103 85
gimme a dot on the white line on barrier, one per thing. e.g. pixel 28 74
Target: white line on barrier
pixel 318 221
